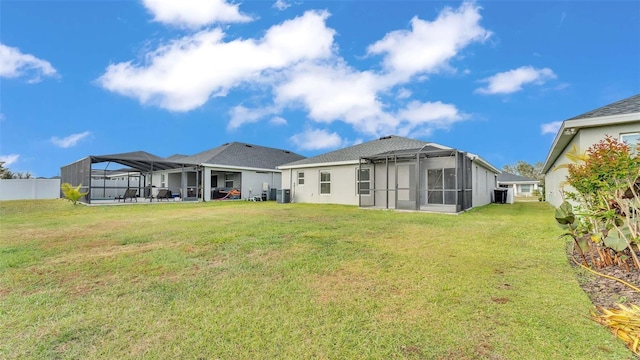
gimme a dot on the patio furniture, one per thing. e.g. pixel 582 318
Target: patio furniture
pixel 164 194
pixel 130 193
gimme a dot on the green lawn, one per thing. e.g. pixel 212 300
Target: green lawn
pixel 244 280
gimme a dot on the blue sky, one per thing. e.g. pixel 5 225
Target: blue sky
pixel 493 78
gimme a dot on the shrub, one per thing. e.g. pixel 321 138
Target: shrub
pixel 605 179
pixel 72 193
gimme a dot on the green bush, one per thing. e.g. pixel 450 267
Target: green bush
pixel 72 193
pixel 605 179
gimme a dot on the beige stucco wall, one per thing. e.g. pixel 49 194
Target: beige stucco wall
pixel 584 139
pixel 343 183
pixel 484 182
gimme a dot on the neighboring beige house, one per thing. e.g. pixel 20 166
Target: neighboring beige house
pixel 620 120
pixel 520 185
pixel 393 173
pixel 209 175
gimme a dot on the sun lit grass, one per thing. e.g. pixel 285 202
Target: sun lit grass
pixel 242 280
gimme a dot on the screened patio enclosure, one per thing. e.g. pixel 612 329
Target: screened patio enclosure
pixel 97 177
pixel 427 179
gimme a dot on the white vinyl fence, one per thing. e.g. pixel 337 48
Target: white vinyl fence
pixel 29 189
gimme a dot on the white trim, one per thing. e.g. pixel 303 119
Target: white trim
pixel 228 167
pixel 320 182
pixel 483 162
pixel 561 140
pixel 358 181
pixel 347 162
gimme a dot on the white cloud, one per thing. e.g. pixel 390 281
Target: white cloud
pixel 281 5
pixel 13 64
pixel 241 115
pixel 194 13
pixel 337 93
pixel 426 116
pixel 551 128
pixel 179 77
pixel 316 139
pixel 70 140
pixel 9 159
pixel 343 94
pixel 404 93
pixel 296 62
pixel 277 120
pixel 512 81
pixel 429 46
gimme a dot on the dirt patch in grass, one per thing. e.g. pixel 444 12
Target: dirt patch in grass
pixel 340 285
pixel 112 251
pixel 606 292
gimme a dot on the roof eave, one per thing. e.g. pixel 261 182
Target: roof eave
pixel 324 164
pixel 570 128
pixel 231 167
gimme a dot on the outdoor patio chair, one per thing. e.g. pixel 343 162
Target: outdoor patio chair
pixel 131 194
pixel 164 194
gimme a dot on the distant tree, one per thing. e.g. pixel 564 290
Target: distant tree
pixel 525 169
pixel 8 174
pixel 22 175
pixel 4 172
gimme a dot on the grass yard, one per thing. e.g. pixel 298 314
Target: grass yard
pixel 245 280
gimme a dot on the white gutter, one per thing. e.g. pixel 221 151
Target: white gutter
pixel 302 166
pixel 228 167
pixel 484 163
pixel 570 128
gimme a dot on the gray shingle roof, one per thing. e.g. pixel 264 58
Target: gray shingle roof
pixel 625 106
pixel 355 152
pixel 244 155
pixel 176 157
pixel 508 177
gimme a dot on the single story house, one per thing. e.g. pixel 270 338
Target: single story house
pixel 620 120
pixel 520 185
pixel 249 170
pixel 393 172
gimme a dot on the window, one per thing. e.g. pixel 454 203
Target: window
pixel 525 188
pixel 441 186
pixel 300 178
pixel 633 140
pixel 363 181
pixel 228 180
pixel 162 180
pixel 325 182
